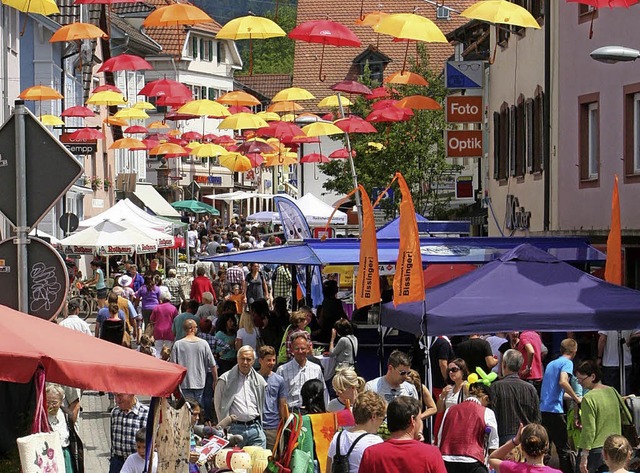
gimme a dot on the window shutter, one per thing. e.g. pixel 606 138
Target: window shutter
pixel 203 56
pixel 194 47
pixel 528 114
pixel 210 42
pixel 496 145
pixel 512 140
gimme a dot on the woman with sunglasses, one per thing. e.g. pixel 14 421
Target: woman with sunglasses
pixel 599 416
pixel 457 389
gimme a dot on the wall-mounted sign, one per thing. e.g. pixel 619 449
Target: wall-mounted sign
pixel 78 147
pixel 464 74
pixel 516 217
pixel 464 143
pixel 464 108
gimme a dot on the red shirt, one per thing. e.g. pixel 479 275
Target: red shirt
pixel 200 285
pixel 402 456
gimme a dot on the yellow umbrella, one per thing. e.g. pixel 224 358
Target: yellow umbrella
pixel 501 11
pixel 203 108
pixel 51 120
pixel 131 114
pixel 158 125
pixel 176 14
pixel 238 98
pixel 412 27
pixel 291 94
pixel 250 27
pixel 332 102
pixel 286 106
pixel 208 150
pixel 372 19
pixel 77 31
pixel 42 7
pixel 242 121
pixel 288 117
pixel 143 105
pixel 321 129
pixel 107 97
pixel 113 121
pixel 269 116
pixel 128 143
pixel 235 162
pixel 40 92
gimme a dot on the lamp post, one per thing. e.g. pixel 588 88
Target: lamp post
pixel 614 54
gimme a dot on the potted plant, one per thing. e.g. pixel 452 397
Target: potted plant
pixel 107 184
pixel 95 182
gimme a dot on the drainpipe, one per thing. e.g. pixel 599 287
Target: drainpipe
pixel 546 118
pixel 5 65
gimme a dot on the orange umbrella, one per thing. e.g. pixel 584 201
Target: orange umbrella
pixel 158 125
pixel 406 78
pixel 235 162
pixel 128 143
pixel 176 14
pixel 371 19
pixel 238 98
pixel 169 148
pixel 418 102
pixel 113 121
pixel 283 158
pixel 40 92
pixel 285 107
pixel 77 31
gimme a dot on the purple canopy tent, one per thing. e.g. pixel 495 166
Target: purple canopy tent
pixel 524 289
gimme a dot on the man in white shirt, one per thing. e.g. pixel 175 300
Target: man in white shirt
pixel 394 383
pixel 609 357
pixel 298 371
pixel 73 322
pixel 240 392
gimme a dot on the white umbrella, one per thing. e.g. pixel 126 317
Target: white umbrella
pixel 108 238
pixel 265 216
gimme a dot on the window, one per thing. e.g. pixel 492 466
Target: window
pixel 537 139
pixel 512 140
pixel 528 125
pixel 221 52
pixel 212 94
pixel 501 143
pixel 203 54
pixel 11 25
pixel 194 47
pixel 589 137
pixel 586 13
pixel 210 50
pixel 631 132
pixel 443 13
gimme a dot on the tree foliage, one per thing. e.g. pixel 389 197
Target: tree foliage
pixel 414 147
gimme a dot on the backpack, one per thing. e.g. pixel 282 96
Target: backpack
pixel 340 463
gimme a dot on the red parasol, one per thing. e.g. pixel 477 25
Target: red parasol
pixel 355 124
pixel 300 139
pixel 380 92
pixel 210 137
pixel 78 111
pixel 342 153
pixel 328 117
pixel 124 62
pixel 324 32
pixel 280 130
pixel 255 146
pixel 135 129
pixel 390 114
pixel 256 159
pixel 192 135
pixel 224 140
pixel 87 134
pixel 239 109
pixel 314 158
pixel 351 87
pixel 106 88
pixel 166 87
pixel 150 143
pixel 175 116
pixel 380 104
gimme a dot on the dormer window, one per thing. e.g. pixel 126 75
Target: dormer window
pixel 374 60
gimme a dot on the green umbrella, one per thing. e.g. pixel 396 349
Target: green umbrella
pixel 194 206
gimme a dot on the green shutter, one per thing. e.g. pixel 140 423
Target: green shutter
pixel 194 47
pixel 202 54
pixel 210 42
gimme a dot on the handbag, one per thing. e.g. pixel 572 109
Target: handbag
pixel 126 339
pixel 627 427
pixel 285 444
pixel 148 330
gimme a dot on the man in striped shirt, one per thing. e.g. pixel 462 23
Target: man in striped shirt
pixel 126 419
pixel 298 371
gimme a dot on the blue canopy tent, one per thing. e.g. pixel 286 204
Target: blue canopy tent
pixel 426 226
pixel 524 289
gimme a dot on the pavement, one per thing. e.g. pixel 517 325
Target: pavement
pixel 94 431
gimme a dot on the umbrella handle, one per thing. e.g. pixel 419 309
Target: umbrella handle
pixel 492 59
pixel 322 77
pixel 593 15
pixel 315 171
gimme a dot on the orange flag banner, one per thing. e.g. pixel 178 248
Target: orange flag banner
pixel 368 280
pixel 408 285
pixel 613 268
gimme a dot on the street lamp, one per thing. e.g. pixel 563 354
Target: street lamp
pixel 613 54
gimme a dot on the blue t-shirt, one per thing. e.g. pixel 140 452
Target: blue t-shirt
pixel 274 391
pixel 103 314
pixel 551 392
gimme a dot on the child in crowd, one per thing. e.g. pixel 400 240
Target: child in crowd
pixel 135 462
pixel 616 453
pixel 165 353
pixel 237 297
pixel 146 345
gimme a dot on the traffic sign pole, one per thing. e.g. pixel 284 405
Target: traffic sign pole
pixel 22 231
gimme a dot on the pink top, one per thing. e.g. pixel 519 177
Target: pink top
pixel 162 317
pixel 508 466
pixel 536 366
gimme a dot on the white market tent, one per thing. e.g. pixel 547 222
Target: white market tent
pixel 318 212
pixel 108 238
pixel 237 195
pixel 127 210
pixel 265 216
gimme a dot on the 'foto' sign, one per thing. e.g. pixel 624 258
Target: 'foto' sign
pixel 464 143
pixel 464 108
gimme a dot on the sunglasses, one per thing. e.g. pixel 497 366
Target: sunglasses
pixel 453 370
pixel 403 372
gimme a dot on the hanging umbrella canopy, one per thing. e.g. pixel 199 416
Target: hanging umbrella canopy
pixel 351 87
pixel 238 97
pixel 224 140
pixel 372 19
pixel 192 135
pixel 176 14
pixel 325 32
pixel 41 7
pixel 238 109
pixel 144 105
pixel 135 130
pixel 194 206
pixel 235 162
pixel 107 97
pixel 78 111
pixel 150 143
pixel 269 116
pixel 418 102
pixel 112 121
pixel 355 124
pixel 390 114
pixel 501 12
pixel 331 101
pixel 380 92
pixel 406 78
pixel 158 125
pixel 321 129
pixel 242 121
pixel 77 31
pixel 175 116
pixel 256 159
pixel 255 145
pixel 280 130
pixel 40 92
pixel 250 27
pixel 87 134
pixel 284 158
pixel 314 158
pixel 287 107
pixel 51 120
pixel 292 94
pixel 106 88
pixel 125 62
pixel 166 87
pixel 131 114
pixel 412 27
pixel 342 153
pixel 169 148
pixel 204 107
pixel 209 150
pixel 128 143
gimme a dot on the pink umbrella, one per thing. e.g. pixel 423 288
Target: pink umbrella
pixel 324 32
pixel 351 87
pixel 135 129
pixel 239 109
pixel 380 104
pixel 280 130
pixel 210 137
pixel 151 143
pixel 224 140
pixel 390 114
pixel 175 116
pixel 256 159
pixel 314 158
pixel 355 124
pixel 106 88
pixel 192 135
pixel 87 134
pixel 78 111
pixel 124 62
pixel 328 117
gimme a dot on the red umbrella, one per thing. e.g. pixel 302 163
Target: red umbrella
pixel 328 117
pixel 78 111
pixel 87 134
pixel 390 114
pixel 166 87
pixel 351 87
pixel 342 153
pixel 256 159
pixel 355 124
pixel 135 129
pixel 175 116
pixel 281 130
pixel 106 88
pixel 175 101
pixel 178 141
pixel 224 140
pixel 124 62
pixel 384 103
pixel 254 146
pixel 239 109
pixel 380 93
pixel 210 137
pixel 301 139
pixel 314 158
pixel 192 135
pixel 150 143
pixel 158 136
pixel 324 32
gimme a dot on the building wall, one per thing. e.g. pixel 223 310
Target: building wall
pixel 518 69
pixel 589 209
